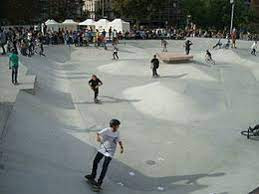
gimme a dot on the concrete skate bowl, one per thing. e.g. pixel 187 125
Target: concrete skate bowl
pixel 182 184
pixel 161 102
pixel 141 68
pixel 50 70
pixel 127 67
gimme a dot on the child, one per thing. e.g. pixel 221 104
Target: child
pixel 188 44
pixel 14 65
pixel 155 66
pixel 115 52
pixel 109 138
pixel 164 44
pixel 95 83
pixel 254 47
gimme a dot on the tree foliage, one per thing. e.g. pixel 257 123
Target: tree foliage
pixel 138 9
pixel 217 13
pixel 17 11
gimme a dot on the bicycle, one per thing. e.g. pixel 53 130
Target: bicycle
pixel 251 132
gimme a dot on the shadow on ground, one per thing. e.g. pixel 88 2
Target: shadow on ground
pixel 110 100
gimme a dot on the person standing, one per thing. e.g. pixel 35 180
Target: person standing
pixel 95 83
pixel 115 52
pixel 109 139
pixel 254 47
pixel 164 44
pixel 110 33
pixel 234 38
pixel 155 66
pixel 14 65
pixel 3 40
pixel 188 44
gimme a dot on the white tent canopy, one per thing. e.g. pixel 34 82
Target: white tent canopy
pixel 51 22
pixel 119 25
pixel 52 25
pixel 70 25
pixel 102 24
pixel 70 22
pixel 88 22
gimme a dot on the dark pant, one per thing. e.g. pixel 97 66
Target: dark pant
pixel 14 74
pixel 99 156
pixel 154 70
pixel 2 45
pixel 217 45
pixel 115 55
pixel 96 93
pixel 187 51
pixel 253 52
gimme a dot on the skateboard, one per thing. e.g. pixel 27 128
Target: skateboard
pixel 97 102
pixel 93 186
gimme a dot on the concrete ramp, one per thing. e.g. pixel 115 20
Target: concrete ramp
pixel 9 91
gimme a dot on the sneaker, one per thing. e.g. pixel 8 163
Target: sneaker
pixel 99 185
pixel 89 177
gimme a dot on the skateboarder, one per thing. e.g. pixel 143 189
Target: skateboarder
pixel 95 83
pixel 219 44
pixel 208 57
pixel 14 65
pixel 188 44
pixel 109 138
pixel 155 66
pixel 254 47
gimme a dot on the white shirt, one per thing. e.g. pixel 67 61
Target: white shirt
pixel 254 46
pixel 109 142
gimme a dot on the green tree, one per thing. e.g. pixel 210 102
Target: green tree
pixel 217 13
pixel 137 9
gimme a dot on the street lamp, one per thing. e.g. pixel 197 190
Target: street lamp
pixel 232 2
pixel 103 8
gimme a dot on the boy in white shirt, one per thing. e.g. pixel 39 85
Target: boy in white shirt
pixel 254 47
pixel 109 138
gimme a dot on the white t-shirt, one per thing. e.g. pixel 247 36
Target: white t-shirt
pixel 109 142
pixel 254 46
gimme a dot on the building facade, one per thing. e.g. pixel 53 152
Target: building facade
pixel 99 9
pixel 255 5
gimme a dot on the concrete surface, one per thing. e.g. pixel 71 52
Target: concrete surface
pixel 9 91
pixel 181 132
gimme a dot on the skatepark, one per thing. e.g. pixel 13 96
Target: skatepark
pixel 181 132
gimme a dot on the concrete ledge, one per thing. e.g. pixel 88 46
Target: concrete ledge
pixel 169 57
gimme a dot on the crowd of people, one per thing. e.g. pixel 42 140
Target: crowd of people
pixel 190 31
pixel 30 41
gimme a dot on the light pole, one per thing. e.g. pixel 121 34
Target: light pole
pixel 103 8
pixel 232 2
